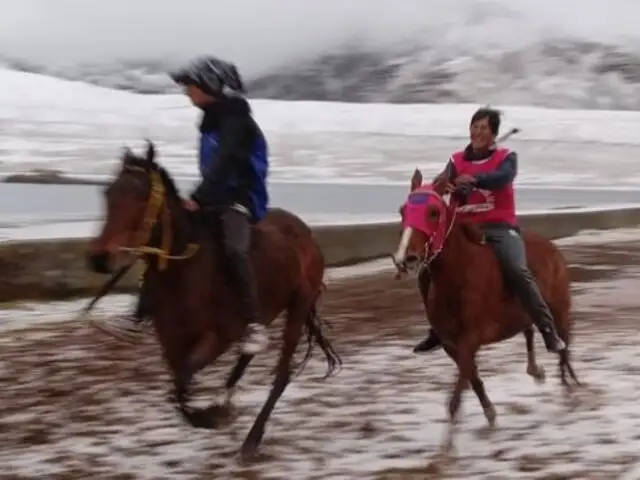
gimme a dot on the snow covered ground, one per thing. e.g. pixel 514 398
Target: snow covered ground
pixel 77 404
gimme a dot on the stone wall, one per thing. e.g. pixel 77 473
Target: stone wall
pixel 53 269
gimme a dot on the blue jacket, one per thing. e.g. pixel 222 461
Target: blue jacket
pixel 233 159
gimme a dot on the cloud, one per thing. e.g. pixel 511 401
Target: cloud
pixel 258 34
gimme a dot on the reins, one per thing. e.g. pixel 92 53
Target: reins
pixel 157 209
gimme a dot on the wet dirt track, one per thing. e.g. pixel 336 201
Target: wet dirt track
pixel 77 405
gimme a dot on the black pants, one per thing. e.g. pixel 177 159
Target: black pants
pixel 236 243
pixel 509 248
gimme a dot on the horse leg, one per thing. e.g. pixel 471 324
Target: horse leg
pixel 563 325
pixel 454 405
pixel 565 366
pixel 476 383
pixel 235 375
pixel 204 352
pixel 533 369
pixel 478 387
pixel 456 396
pixel 297 314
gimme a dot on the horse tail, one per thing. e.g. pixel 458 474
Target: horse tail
pixel 315 333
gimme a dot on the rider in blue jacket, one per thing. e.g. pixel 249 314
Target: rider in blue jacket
pixel 233 163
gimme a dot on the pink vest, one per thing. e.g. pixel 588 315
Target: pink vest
pixel 484 206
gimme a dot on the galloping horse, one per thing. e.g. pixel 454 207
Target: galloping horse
pixel 194 311
pixel 468 302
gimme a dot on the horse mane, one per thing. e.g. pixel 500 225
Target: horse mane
pixel 471 232
pixel 149 164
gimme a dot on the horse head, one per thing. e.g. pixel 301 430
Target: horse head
pixel 143 209
pixel 427 217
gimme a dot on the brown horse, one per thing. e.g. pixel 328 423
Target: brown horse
pixel 467 300
pixel 194 311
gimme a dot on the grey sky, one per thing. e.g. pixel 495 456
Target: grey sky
pixel 260 33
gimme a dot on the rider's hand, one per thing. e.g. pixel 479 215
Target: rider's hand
pixel 190 205
pixel 465 180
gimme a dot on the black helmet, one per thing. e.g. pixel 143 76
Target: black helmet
pixel 213 76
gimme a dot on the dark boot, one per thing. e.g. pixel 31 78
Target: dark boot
pixel 552 340
pixel 531 298
pixel 431 342
pixel 140 313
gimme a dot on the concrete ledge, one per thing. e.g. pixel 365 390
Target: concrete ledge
pixel 55 269
pixel 50 177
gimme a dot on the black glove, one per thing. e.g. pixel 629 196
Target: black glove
pixel 462 192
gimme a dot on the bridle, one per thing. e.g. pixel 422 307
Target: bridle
pixel 156 211
pixel 426 261
pixel 450 221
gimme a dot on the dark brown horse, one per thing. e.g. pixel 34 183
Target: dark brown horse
pixel 194 311
pixel 468 302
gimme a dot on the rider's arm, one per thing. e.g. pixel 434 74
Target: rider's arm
pixel 236 137
pixel 501 176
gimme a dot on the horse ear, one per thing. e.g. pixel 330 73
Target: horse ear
pixel 151 151
pixel 126 152
pixel 441 184
pixel 416 179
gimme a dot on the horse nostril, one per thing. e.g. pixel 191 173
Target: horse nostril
pixel 99 262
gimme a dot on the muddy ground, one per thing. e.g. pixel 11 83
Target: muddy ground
pixel 75 404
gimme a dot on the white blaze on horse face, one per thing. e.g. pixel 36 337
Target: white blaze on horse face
pixel 401 252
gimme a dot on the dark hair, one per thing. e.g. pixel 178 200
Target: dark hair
pixel 492 115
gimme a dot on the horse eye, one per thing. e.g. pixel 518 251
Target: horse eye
pixel 433 214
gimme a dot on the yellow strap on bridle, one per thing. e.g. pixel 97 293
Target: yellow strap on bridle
pixel 157 210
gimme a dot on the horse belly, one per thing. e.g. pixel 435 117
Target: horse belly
pixel 277 273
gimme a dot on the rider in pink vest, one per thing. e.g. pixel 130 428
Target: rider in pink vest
pixel 484 174
pixel 484 205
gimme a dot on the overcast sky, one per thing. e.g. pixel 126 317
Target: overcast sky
pixel 260 33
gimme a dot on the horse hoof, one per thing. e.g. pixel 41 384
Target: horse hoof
pixel 225 414
pixel 248 452
pixel 203 417
pixel 537 373
pixel 447 449
pixel 491 415
pixel 249 449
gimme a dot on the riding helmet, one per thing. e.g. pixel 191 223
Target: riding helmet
pixel 213 76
